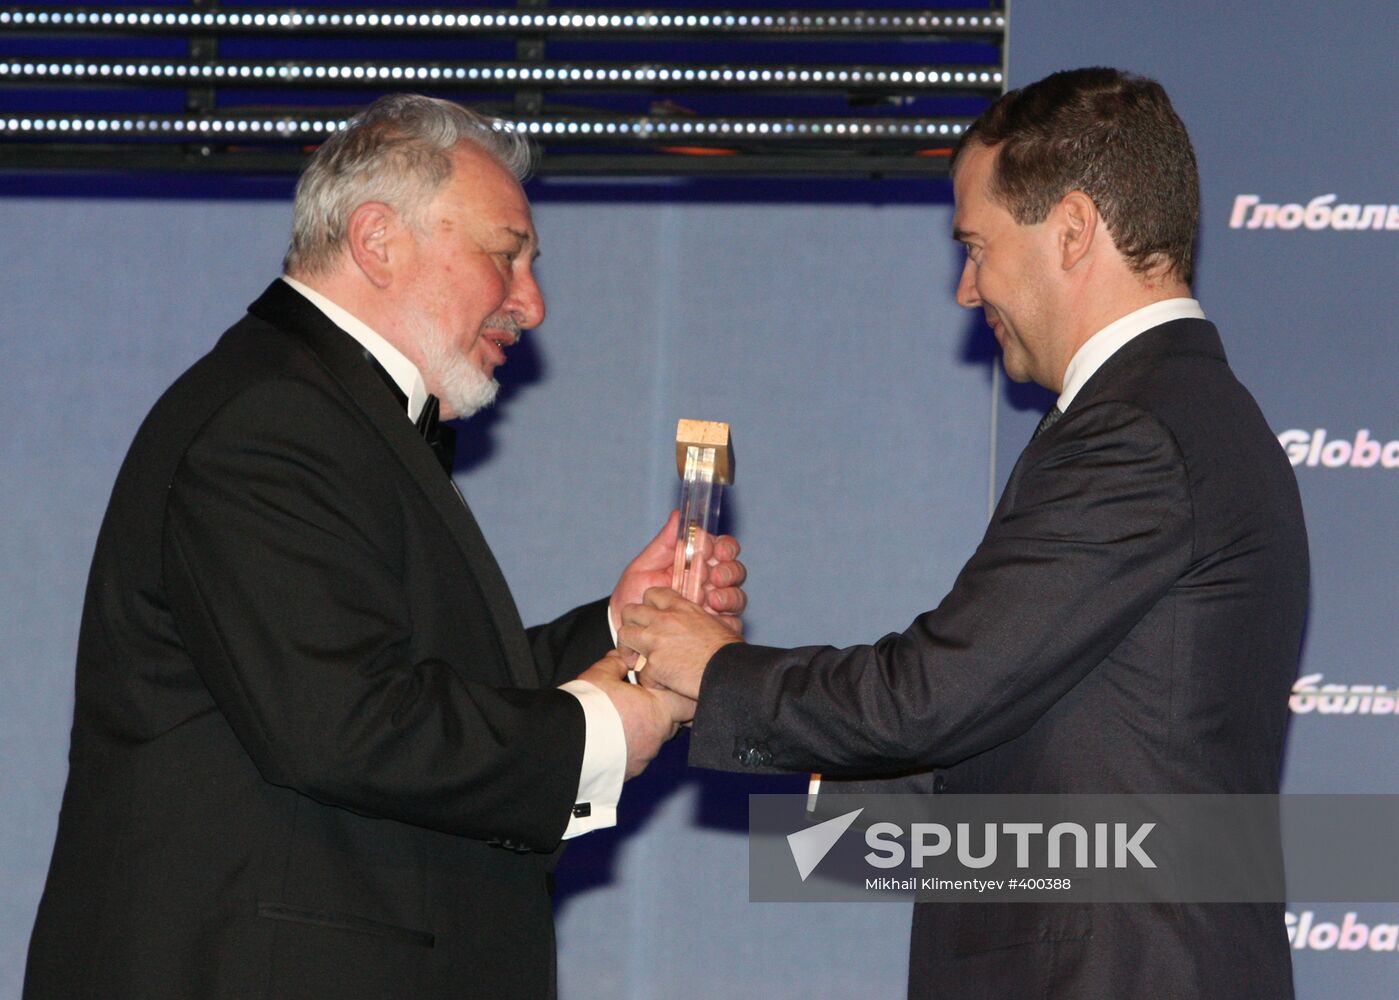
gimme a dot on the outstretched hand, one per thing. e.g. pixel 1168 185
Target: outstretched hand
pixel 677 638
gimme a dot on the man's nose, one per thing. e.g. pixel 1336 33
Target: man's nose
pixel 527 302
pixel 966 287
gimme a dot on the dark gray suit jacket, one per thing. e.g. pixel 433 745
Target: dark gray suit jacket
pixel 1129 623
pixel 315 754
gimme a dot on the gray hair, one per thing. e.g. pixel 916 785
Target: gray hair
pixel 397 151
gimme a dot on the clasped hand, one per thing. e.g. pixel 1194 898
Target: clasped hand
pixel 653 711
pixel 677 637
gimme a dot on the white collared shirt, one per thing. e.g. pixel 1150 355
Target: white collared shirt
pixel 604 741
pixel 404 373
pixel 1094 351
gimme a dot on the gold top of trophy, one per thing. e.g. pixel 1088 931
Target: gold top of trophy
pixel 706 434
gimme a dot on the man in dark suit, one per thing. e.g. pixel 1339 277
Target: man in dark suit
pixel 314 753
pixel 1131 620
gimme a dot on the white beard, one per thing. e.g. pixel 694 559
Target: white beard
pixel 460 386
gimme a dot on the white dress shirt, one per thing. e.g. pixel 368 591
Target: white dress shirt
pixel 1112 338
pixel 605 741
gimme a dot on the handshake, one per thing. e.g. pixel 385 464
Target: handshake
pixel 677 637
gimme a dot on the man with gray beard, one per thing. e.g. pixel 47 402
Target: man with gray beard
pixel 315 754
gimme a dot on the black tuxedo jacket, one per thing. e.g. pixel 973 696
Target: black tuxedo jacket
pixel 1129 623
pixel 314 752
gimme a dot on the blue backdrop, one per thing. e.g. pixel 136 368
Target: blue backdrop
pixel 870 434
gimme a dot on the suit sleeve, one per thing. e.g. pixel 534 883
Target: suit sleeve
pixel 1097 529
pixel 571 643
pixel 284 570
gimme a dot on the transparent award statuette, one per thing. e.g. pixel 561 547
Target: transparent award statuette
pixel 704 459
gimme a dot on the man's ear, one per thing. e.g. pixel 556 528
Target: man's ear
pixel 369 236
pixel 1078 224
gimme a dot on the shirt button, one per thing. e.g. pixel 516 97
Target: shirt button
pixel 939 783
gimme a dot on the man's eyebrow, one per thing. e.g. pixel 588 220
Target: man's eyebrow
pixel 961 235
pixel 524 238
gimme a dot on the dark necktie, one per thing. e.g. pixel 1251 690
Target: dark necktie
pixel 442 440
pixel 1047 421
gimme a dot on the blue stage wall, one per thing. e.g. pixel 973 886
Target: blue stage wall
pixel 861 489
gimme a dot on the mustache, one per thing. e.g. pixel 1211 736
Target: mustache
pixel 504 322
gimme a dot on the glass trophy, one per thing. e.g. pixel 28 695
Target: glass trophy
pixel 704 459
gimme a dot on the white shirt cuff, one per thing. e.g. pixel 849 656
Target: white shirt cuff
pixel 604 761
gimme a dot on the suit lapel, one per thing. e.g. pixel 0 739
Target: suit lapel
pixel 340 354
pixel 1180 336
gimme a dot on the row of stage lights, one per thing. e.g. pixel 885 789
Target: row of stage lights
pixel 856 21
pixel 509 73
pixel 635 128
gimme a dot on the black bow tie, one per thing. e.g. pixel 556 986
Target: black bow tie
pixel 440 438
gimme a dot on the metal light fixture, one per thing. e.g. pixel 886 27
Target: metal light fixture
pixel 670 91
